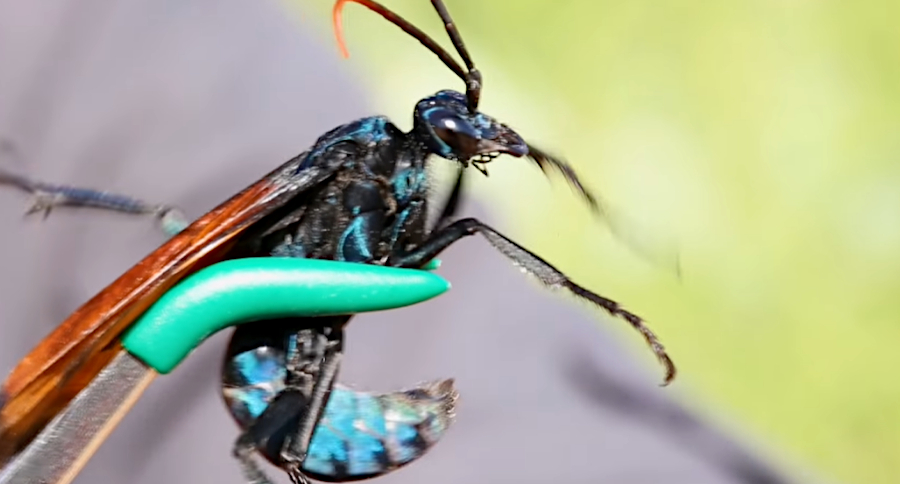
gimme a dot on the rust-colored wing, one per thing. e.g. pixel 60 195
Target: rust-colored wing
pixel 71 356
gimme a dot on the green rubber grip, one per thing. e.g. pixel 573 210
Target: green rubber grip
pixel 243 290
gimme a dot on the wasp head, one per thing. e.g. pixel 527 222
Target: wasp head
pixel 450 130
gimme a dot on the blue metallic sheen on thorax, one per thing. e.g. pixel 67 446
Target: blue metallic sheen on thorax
pixel 368 152
pixel 366 132
pixel 409 183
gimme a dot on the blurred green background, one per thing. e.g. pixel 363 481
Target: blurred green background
pixel 763 138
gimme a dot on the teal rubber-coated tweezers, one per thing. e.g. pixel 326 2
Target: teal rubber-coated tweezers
pixel 217 297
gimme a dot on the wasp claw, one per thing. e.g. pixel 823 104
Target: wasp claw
pixel 480 167
pixel 42 202
pixel 296 475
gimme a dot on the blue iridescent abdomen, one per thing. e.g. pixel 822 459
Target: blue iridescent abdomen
pixel 361 434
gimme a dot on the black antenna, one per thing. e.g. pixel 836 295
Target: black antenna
pixel 471 76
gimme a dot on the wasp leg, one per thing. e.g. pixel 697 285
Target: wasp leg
pixel 46 197
pixel 534 265
pixel 267 432
pixel 312 365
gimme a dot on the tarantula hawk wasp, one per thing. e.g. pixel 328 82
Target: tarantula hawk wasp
pixel 359 194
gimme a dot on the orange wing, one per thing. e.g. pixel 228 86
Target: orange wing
pixel 67 360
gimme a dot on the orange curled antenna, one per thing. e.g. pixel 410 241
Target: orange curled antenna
pixel 470 76
pixel 337 22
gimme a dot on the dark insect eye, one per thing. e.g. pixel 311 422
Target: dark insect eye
pixel 454 130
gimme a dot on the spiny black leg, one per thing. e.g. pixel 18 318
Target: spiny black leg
pixel 282 432
pixel 312 364
pixel 267 432
pixel 47 197
pixel 243 452
pixel 534 265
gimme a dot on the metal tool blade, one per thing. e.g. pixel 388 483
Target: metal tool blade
pixel 64 446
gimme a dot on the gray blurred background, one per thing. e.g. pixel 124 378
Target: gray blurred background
pixel 188 101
